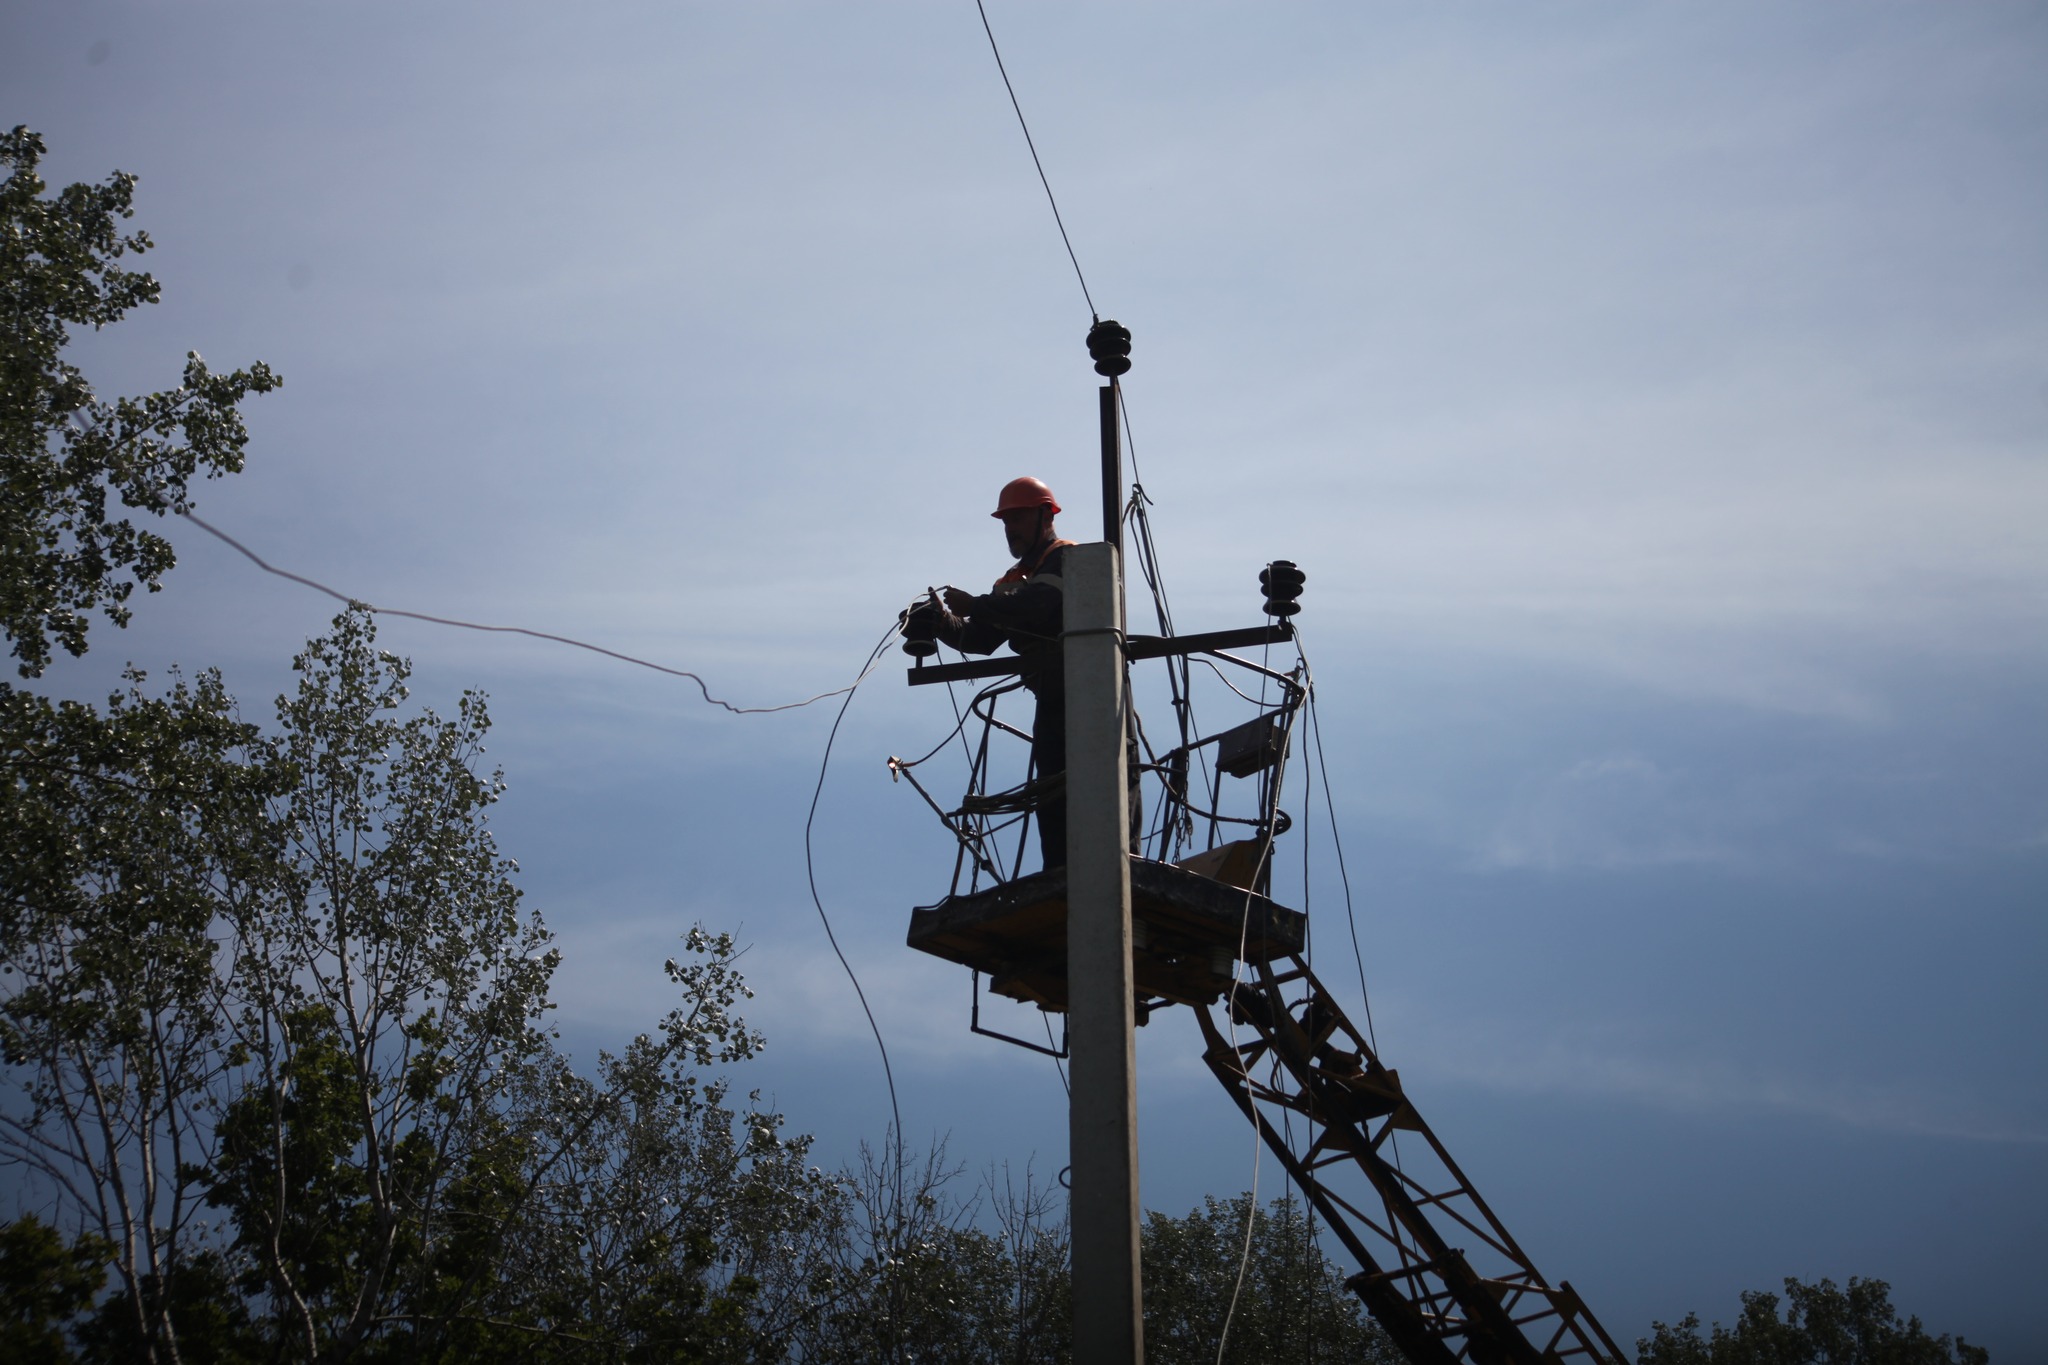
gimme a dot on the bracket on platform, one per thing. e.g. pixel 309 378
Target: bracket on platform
pixel 974 1022
pixel 1135 647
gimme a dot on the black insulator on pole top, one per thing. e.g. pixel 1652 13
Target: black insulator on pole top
pixel 1282 583
pixel 1109 342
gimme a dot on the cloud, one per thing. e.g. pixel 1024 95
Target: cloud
pixel 1588 1063
pixel 1610 812
pixel 610 982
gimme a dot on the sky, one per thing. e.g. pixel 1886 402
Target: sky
pixel 1656 397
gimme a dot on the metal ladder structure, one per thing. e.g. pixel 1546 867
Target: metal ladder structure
pixel 1439 1271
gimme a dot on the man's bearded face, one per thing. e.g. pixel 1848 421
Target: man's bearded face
pixel 1021 529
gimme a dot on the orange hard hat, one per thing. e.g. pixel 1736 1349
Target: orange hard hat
pixel 1026 492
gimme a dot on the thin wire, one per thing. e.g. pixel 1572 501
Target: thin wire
pixel 270 568
pixel 933 752
pixel 811 874
pixel 1311 1249
pixel 1180 682
pixel 1250 1222
pixel 1180 679
pixel 1337 841
pixel 1060 222
pixel 1229 1017
pixel 1130 442
pixel 959 723
pixel 1057 1064
pixel 1229 684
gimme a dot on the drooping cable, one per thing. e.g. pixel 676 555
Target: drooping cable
pixel 1228 683
pixel 811 875
pixel 1244 1259
pixel 961 721
pixel 343 597
pixel 1057 220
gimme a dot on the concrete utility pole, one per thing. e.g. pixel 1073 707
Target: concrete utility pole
pixel 1102 1115
pixel 1102 1118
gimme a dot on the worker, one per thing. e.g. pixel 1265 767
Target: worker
pixel 1026 611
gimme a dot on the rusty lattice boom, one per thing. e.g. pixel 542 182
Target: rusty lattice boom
pixel 1439 1271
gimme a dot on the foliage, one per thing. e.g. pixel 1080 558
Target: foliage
pixel 913 1275
pixel 662 1221
pixel 1293 1304
pixel 44 1284
pixel 918 1274
pixel 127 832
pixel 385 994
pixel 1823 1325
pixel 63 450
pixel 286 980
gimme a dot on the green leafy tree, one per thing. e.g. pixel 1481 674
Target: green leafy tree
pixel 659 1222
pixel 287 980
pixel 124 829
pixel 414 1169
pixel 1291 1305
pixel 385 992
pixel 130 832
pixel 918 1274
pixel 1822 1325
pixel 66 453
pixel 44 1285
pixel 205 1320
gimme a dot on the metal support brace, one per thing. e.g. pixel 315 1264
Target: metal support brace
pixel 1437 1269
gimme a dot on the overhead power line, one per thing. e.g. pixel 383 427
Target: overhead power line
pixel 338 596
pixel 1059 221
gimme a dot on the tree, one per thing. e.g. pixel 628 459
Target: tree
pixel 288 978
pixel 63 552
pixel 129 832
pixel 412 1167
pixel 660 1223
pixel 1823 1325
pixel 120 829
pixel 1292 1304
pixel 912 1274
pixel 385 994
pixel 44 1284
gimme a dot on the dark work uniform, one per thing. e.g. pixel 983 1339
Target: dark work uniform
pixel 1027 610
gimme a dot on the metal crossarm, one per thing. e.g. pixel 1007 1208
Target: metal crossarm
pixel 1437 1269
pixel 1135 647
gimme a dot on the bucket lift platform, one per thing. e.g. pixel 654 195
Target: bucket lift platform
pixel 1187 929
